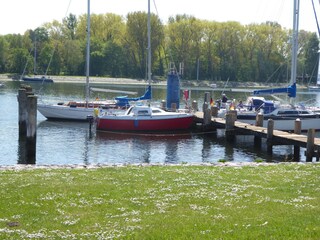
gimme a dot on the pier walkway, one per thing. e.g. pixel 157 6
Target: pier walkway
pixel 274 137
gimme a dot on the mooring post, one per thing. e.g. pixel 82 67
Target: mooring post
pixel 214 111
pixel 194 105
pixel 296 149
pixel 206 114
pixel 90 119
pixel 231 117
pixel 31 129
pixel 22 101
pixel 310 145
pixel 206 101
pixel 259 120
pixel 270 135
pixel 163 104
pixel 23 93
pixel 259 123
pixel 173 107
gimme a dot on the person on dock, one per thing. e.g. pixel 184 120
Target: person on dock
pixel 224 98
pixel 240 105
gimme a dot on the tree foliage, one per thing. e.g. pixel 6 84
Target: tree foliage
pixel 205 50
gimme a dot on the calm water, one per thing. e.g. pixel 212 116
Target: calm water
pixel 71 143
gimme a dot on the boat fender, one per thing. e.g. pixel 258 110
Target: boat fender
pixel 96 112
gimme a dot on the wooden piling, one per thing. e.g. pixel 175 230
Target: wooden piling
pixel 296 149
pixel 27 125
pixel 194 105
pixel 163 104
pixel 23 93
pixel 173 107
pixel 231 117
pixel 259 120
pixel 214 111
pixel 205 102
pixel 270 128
pixel 259 123
pixel 310 145
pixel 206 114
pixel 206 97
pixel 31 129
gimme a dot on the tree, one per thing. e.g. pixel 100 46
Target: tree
pixel 310 56
pixel 181 40
pixel 73 58
pixel 136 40
pixel 69 26
pixel 3 54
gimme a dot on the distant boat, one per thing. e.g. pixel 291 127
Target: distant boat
pixel 42 79
pixel 35 78
pixel 145 118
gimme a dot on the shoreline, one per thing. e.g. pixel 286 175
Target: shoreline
pixel 21 167
pixel 130 81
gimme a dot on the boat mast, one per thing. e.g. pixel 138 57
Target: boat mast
pixel 88 56
pixel 315 15
pixel 35 54
pixel 149 46
pixel 295 30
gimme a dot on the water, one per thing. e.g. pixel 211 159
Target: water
pixel 71 143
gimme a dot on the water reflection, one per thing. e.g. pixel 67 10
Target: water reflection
pixel 143 148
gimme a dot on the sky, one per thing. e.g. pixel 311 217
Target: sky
pixel 17 16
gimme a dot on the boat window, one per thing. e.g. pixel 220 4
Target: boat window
pixel 304 112
pixel 143 112
pixel 156 111
pixel 289 112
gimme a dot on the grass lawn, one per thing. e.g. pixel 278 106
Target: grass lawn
pixel 276 201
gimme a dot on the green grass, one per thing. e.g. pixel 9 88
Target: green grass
pixel 162 202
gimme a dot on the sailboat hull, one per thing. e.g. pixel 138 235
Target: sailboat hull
pixel 37 79
pixel 154 123
pixel 286 124
pixel 61 112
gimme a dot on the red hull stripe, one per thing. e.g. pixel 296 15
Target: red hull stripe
pixel 144 125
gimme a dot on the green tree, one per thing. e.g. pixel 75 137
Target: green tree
pixel 309 56
pixel 3 54
pixel 69 26
pixel 136 40
pixel 72 55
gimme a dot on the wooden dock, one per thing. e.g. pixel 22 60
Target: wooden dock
pixel 274 137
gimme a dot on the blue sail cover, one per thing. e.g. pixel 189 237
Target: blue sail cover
pixel 173 90
pixel 290 90
pixel 123 101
